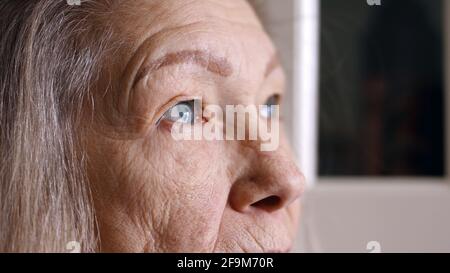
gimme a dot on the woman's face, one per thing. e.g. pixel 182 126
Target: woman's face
pixel 154 193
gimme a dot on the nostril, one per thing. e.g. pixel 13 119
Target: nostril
pixel 269 203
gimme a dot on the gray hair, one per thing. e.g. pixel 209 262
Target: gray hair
pixel 50 57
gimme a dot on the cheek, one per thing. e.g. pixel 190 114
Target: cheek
pixel 183 191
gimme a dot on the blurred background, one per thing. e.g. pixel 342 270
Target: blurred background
pixel 366 112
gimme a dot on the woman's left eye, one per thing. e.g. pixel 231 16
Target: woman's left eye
pixel 268 111
pixel 183 112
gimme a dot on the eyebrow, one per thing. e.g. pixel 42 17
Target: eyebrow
pixel 216 65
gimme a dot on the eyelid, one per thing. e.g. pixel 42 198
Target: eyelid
pixel 174 101
pixel 165 107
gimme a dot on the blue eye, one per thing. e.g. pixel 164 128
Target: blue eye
pixel 268 110
pixel 182 112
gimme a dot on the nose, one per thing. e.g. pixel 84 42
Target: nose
pixel 272 183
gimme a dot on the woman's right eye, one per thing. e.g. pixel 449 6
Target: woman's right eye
pixel 183 112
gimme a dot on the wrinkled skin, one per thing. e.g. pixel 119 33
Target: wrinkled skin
pixel 155 194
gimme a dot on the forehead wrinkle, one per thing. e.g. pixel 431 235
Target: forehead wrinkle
pixel 211 63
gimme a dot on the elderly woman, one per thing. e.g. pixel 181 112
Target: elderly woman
pixel 88 94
